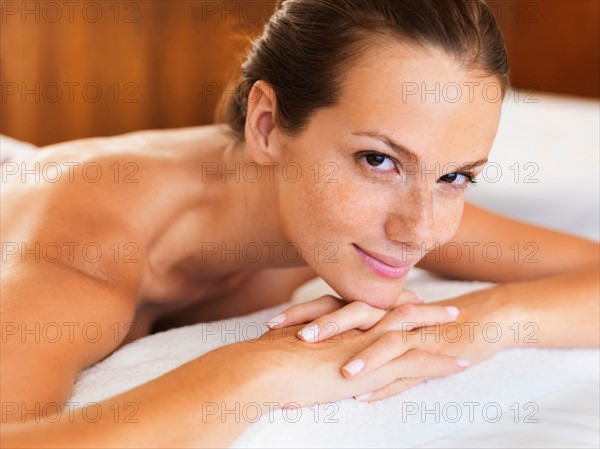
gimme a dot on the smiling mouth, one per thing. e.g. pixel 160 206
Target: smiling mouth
pixel 386 266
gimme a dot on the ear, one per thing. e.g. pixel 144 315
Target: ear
pixel 260 130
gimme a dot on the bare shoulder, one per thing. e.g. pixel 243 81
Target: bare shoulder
pixel 124 182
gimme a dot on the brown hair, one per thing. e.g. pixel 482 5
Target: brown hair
pixel 306 44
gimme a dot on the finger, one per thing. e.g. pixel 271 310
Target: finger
pixel 356 315
pixel 392 351
pixel 307 311
pixel 407 317
pixel 398 386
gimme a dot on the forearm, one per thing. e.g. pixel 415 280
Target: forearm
pixel 564 310
pixel 184 408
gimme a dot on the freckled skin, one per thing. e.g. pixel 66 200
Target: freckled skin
pixel 384 213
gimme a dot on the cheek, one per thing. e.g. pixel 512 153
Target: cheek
pixel 450 214
pixel 313 207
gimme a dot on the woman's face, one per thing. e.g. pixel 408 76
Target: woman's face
pixel 364 212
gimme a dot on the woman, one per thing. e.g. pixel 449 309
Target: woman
pixel 333 161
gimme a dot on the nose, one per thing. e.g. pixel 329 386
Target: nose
pixel 412 223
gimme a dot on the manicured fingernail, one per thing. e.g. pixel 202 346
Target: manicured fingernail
pixel 355 366
pixel 276 320
pixel 463 363
pixel 419 297
pixel 452 311
pixel 364 397
pixel 310 333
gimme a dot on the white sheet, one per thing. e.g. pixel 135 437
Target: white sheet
pixel 559 136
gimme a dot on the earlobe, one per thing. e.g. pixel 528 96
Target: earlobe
pixel 260 122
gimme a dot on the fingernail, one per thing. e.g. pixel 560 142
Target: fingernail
pixel 364 397
pixel 276 321
pixel 463 363
pixel 355 366
pixel 310 333
pixel 452 311
pixel 419 297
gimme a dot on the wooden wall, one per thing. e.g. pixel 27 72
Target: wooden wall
pixel 89 68
pixel 553 45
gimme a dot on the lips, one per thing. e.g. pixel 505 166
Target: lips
pixel 386 266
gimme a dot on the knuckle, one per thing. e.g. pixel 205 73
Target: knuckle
pixel 404 382
pixel 392 338
pixel 330 299
pixel 420 359
pixel 399 385
pixel 360 308
pixel 328 325
pixel 292 311
pixel 297 312
pixel 354 333
pixel 406 311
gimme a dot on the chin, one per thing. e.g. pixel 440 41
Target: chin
pixel 380 294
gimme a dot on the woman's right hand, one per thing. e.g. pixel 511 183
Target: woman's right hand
pixel 297 373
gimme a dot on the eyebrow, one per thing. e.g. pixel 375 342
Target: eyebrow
pixel 406 153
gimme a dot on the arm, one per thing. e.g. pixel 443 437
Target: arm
pixel 554 284
pixel 183 408
pixel 564 310
pixel 209 401
pixel 491 247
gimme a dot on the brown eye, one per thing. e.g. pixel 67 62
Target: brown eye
pixel 375 159
pixel 450 177
pixel 381 161
pixel 458 179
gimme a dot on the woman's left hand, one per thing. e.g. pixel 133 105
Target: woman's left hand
pixel 329 316
pixel 478 332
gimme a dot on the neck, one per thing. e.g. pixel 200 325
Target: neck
pixel 244 225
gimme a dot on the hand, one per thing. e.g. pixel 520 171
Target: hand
pixel 466 339
pixel 420 334
pixel 333 316
pixel 287 370
pixel 330 316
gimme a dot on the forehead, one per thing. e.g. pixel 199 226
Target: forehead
pixel 421 97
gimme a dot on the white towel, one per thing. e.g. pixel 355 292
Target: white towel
pixel 506 384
